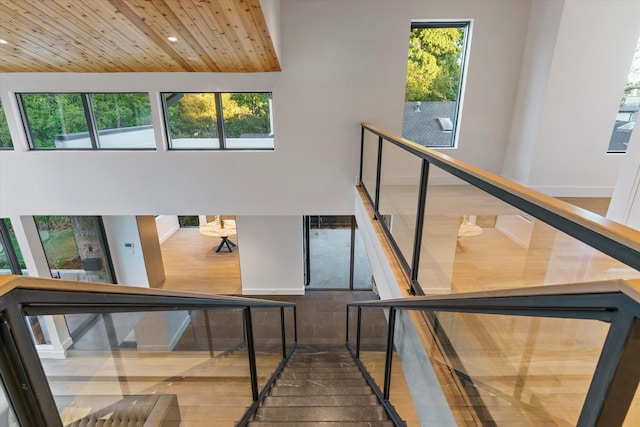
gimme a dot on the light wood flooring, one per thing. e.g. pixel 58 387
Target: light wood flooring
pixel 192 265
pixel 524 372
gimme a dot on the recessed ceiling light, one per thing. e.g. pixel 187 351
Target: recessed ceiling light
pixel 192 58
pixel 172 39
pixel 3 41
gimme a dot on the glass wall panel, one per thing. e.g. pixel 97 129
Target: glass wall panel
pixel 123 120
pixel 55 120
pixel 5 136
pixel 399 192
pixel 473 241
pixel 248 120
pixel 75 248
pixel 9 250
pixel 172 366
pixel 5 267
pixel 192 120
pixel 329 252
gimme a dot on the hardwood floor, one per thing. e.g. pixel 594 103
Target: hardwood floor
pixel 516 371
pixel 192 265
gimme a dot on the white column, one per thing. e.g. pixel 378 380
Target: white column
pixel 270 251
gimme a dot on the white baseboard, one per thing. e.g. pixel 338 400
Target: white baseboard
pixel 272 291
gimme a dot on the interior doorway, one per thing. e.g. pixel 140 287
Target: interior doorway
pixel 189 256
pixel 335 258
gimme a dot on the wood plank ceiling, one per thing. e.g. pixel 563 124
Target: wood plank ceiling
pixel 132 36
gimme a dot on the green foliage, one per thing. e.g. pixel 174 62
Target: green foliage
pixel 61 249
pixel 189 221
pixel 53 114
pixel 63 113
pixel 4 262
pixel 5 136
pixel 53 222
pixel 194 115
pixel 245 114
pixel 434 64
pixel 58 240
pixel 120 110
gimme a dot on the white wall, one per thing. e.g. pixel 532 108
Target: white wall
pixel 343 62
pixel 166 225
pixel 128 263
pixel 270 250
pixel 592 55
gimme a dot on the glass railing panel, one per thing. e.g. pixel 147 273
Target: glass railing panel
pixel 633 416
pixel 7 415
pixel 473 241
pixel 184 367
pixel 289 326
pixel 370 163
pixel 267 335
pixel 399 189
pixel 362 275
pixel 410 366
pixel 520 370
pixel 373 342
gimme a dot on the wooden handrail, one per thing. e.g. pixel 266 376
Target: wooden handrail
pixel 630 288
pixel 10 283
pixel 591 228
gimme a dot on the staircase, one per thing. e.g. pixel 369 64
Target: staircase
pixel 321 386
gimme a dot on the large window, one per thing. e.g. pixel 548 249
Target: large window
pixel 11 260
pixel 5 136
pixel 628 110
pixel 76 248
pixel 87 121
pixel 435 71
pixel 219 121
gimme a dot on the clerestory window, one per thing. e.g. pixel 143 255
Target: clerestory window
pixel 219 121
pixel 87 121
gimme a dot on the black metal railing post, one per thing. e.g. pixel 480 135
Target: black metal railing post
pixel 376 201
pixel 295 325
pixel 252 353
pixel 29 390
pixel 283 333
pixel 417 238
pixel 616 377
pixel 389 356
pixel 358 329
pixel 361 154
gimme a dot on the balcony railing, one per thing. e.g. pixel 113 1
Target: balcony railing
pixel 522 353
pixel 423 199
pixel 602 401
pixel 165 355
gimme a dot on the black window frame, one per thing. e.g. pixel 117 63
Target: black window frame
pixel 219 121
pixel 90 118
pixel 466 25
